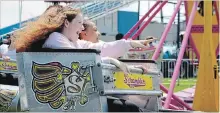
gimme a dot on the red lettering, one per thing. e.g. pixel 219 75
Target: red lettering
pixel 134 82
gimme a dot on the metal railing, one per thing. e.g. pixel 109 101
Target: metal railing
pixel 188 68
pixel 101 8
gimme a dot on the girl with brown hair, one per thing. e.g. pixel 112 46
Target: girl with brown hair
pixel 59 28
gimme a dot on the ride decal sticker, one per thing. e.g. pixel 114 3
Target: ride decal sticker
pixel 133 81
pixel 6 97
pixel 7 65
pixel 60 86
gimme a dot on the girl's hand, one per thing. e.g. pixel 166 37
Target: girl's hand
pixel 122 66
pixel 142 43
pixel 6 58
pixel 143 68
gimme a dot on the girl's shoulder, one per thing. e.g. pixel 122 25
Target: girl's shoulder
pixel 56 40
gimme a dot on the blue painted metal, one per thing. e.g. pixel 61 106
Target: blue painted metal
pixel 13 27
pixel 126 20
pixel 100 7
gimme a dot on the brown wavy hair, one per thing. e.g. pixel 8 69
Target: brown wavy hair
pixel 52 20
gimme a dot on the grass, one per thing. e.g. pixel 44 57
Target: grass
pixel 181 84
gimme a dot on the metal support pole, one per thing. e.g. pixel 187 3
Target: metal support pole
pixel 180 56
pixel 0 15
pixel 128 34
pixel 165 33
pixel 178 30
pixel 161 15
pixel 20 13
pixel 138 16
pixel 149 20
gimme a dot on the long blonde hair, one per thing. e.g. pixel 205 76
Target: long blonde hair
pixel 50 21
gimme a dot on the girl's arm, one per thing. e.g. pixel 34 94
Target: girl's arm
pixel 117 48
pixel 117 63
pixel 113 49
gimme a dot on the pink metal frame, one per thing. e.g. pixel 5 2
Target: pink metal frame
pixel 190 36
pixel 176 98
pixel 149 20
pixel 180 56
pixel 200 29
pixel 128 34
pixel 216 10
pixel 166 31
pixel 146 23
pixel 217 16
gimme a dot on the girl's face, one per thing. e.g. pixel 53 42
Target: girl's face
pixel 91 33
pixel 74 27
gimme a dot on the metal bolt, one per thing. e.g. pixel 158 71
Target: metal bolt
pixel 98 64
pixel 22 86
pixel 101 92
pixel 113 87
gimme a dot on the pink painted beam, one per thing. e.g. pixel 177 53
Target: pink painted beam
pixel 148 21
pixel 166 31
pixel 192 43
pixel 128 34
pixel 175 103
pixel 217 50
pixel 180 56
pixel 172 106
pixel 176 98
pixel 217 16
pixel 216 10
pixel 200 29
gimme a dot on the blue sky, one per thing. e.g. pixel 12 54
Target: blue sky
pixel 9 10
